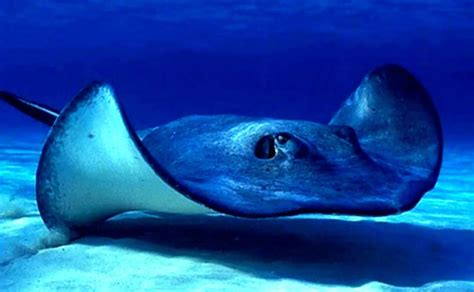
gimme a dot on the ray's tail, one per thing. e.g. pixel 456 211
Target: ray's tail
pixel 39 112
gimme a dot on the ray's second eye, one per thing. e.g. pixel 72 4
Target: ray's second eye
pixel 265 148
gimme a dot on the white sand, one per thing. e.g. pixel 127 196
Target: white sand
pixel 429 247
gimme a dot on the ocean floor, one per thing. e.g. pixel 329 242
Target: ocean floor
pixel 430 247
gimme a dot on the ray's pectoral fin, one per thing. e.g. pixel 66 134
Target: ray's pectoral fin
pixel 397 125
pixel 93 166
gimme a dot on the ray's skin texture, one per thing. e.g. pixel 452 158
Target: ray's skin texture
pixel 318 167
pixel 380 153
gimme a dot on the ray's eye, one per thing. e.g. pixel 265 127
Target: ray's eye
pixel 282 138
pixel 265 148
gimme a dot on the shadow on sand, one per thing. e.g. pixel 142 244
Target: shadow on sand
pixel 313 250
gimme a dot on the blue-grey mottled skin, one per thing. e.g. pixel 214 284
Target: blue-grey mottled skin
pixel 380 153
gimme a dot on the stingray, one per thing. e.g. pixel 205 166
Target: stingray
pixel 378 155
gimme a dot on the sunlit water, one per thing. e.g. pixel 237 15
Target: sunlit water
pixel 429 246
pixel 283 59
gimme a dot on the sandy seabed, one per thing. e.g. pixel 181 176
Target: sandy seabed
pixel 429 248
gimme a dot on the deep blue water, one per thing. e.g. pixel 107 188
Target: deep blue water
pixel 260 58
pixel 283 59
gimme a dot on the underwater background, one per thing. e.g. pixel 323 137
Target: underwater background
pixel 281 59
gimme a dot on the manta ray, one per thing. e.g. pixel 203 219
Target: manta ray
pixel 378 155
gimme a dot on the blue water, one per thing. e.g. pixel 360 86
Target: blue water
pixel 270 58
pixel 281 59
